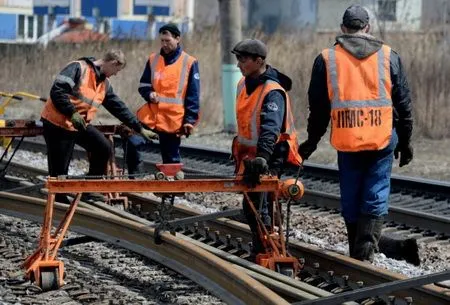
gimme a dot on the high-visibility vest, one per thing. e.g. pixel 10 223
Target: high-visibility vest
pixel 87 98
pixel 170 84
pixel 361 102
pixel 248 113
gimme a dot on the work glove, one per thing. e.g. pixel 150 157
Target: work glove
pixel 406 153
pixel 78 121
pixel 124 131
pixel 253 169
pixel 148 134
pixel 188 129
pixel 306 149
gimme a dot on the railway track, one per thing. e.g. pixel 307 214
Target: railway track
pixel 419 208
pixel 317 260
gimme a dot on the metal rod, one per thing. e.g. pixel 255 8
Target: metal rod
pixel 189 220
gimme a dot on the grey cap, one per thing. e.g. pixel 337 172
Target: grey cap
pixel 355 17
pixel 250 47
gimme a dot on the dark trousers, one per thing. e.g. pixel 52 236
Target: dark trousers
pixel 60 143
pixel 136 144
pixel 365 181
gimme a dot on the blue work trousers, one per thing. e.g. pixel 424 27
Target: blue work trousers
pixel 169 145
pixel 365 181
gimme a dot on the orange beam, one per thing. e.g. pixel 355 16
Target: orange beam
pixel 56 185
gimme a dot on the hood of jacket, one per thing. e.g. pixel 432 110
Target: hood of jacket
pixel 359 45
pixel 270 74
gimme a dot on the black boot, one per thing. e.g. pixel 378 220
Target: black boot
pixel 368 233
pixel 351 235
pixel 401 249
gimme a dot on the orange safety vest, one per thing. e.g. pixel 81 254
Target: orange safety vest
pixel 87 99
pixel 248 112
pixel 170 83
pixel 361 102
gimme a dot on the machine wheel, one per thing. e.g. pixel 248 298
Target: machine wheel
pixel 49 279
pixel 286 270
pixel 160 176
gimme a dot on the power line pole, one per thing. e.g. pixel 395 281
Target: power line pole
pixel 231 34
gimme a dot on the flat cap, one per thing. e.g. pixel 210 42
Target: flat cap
pixel 355 17
pixel 250 47
pixel 172 28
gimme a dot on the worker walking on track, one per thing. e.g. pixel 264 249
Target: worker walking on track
pixel 77 92
pixel 170 86
pixel 266 137
pixel 360 83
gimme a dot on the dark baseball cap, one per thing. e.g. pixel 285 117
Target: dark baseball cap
pixel 172 28
pixel 248 47
pixel 355 17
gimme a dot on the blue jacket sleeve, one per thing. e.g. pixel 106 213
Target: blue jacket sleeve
pixel 272 116
pixel 192 100
pixel 145 84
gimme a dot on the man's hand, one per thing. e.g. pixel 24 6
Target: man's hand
pixel 406 154
pixel 148 134
pixel 78 121
pixel 188 129
pixel 253 169
pixel 153 97
pixel 306 149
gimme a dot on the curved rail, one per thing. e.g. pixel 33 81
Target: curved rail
pixel 219 277
pixel 328 260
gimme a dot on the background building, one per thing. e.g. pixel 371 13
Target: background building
pixel 25 21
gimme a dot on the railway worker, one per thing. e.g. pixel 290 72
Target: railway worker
pixel 266 137
pixel 360 83
pixel 170 86
pixel 77 92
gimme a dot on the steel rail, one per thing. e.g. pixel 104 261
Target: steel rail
pixel 328 260
pixel 397 181
pixel 397 214
pixel 219 277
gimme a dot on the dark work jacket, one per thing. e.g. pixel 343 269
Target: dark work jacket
pixel 192 99
pixel 360 46
pixel 61 90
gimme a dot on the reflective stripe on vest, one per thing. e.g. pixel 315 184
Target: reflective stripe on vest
pixel 84 105
pixel 245 143
pixel 361 104
pixel 170 83
pixel 181 83
pixel 254 128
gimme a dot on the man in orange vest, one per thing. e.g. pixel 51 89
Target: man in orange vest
pixel 360 83
pixel 77 92
pixel 266 137
pixel 170 85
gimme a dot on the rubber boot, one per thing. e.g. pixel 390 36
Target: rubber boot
pixel 395 247
pixel 351 236
pixel 368 233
